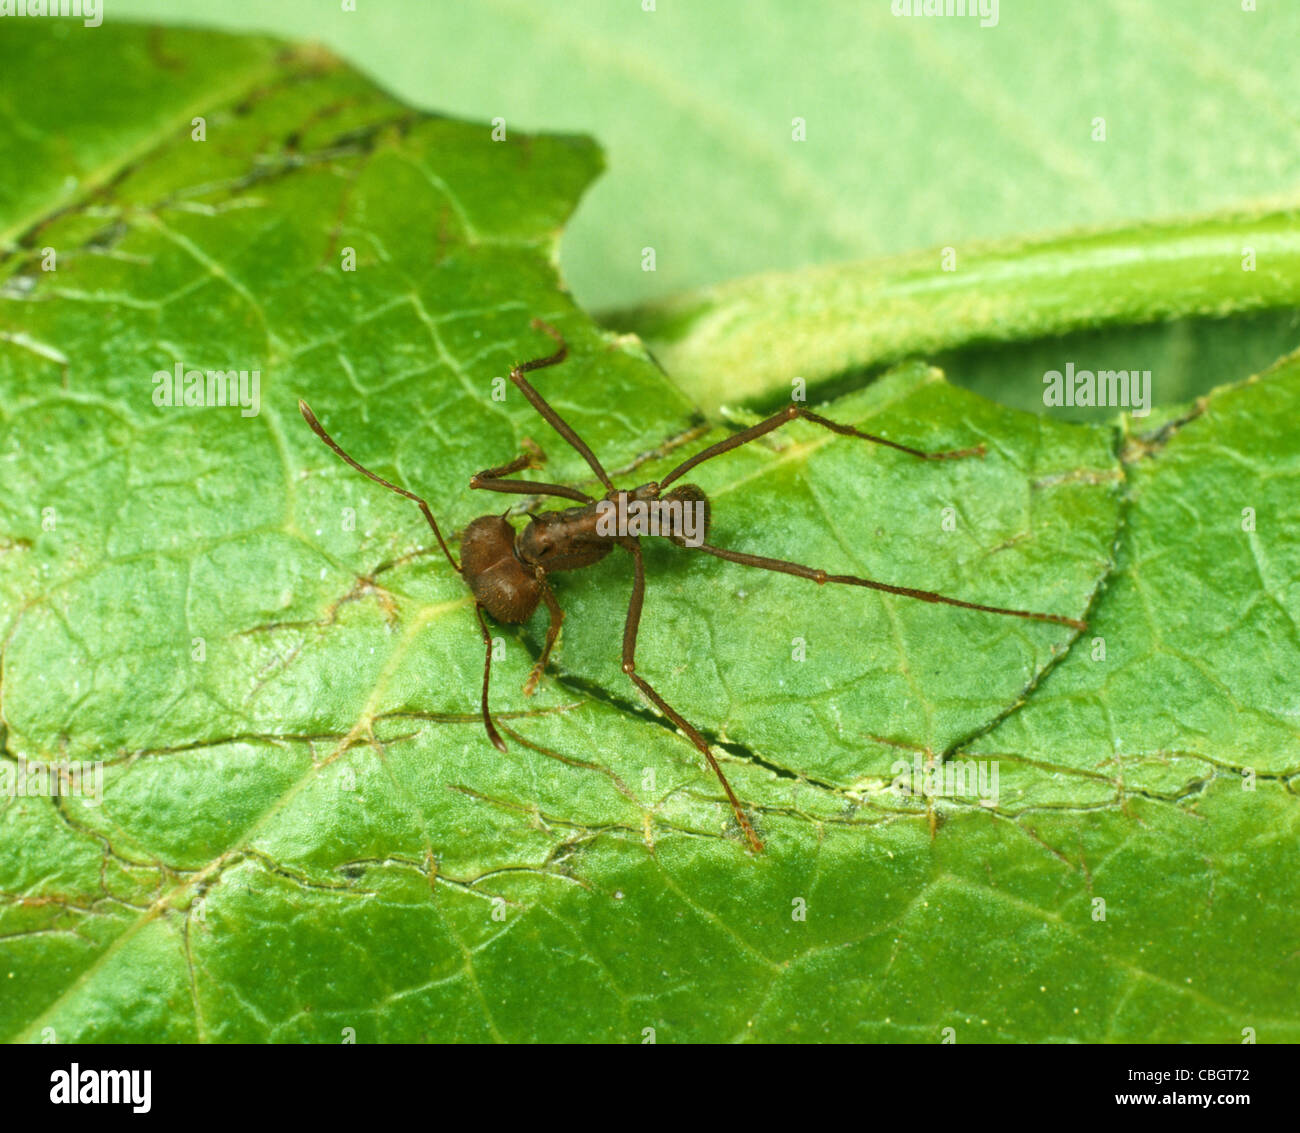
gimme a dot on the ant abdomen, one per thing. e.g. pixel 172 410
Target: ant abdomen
pixel 690 495
pixel 500 582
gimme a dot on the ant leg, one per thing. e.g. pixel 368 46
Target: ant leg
pixel 784 418
pixel 552 632
pixel 528 488
pixel 489 479
pixel 531 457
pixel 491 728
pixel 820 577
pixel 630 628
pixel 319 430
pixel 551 417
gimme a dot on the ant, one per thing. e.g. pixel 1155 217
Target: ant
pixel 507 569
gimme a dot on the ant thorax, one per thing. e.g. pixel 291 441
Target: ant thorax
pixel 632 514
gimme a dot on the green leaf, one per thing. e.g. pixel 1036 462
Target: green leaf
pixel 303 828
pixel 821 322
pixel 919 133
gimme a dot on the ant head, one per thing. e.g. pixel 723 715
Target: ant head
pixel 485 541
pixel 501 584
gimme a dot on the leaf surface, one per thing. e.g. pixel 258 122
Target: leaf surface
pixel 303 828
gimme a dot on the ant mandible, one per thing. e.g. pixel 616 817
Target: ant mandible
pixel 507 569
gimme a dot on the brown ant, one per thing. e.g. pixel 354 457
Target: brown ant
pixel 507 569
